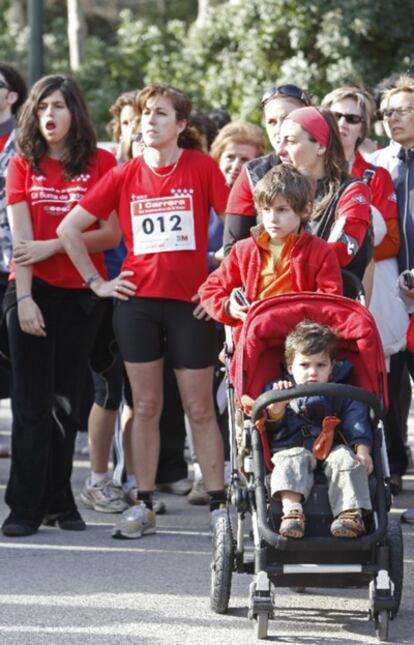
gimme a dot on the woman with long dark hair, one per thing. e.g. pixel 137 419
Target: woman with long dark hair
pixel 163 199
pixel 310 141
pixel 52 316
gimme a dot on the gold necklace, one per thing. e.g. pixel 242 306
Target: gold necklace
pixel 162 175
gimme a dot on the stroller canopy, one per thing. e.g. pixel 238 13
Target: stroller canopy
pixel 259 355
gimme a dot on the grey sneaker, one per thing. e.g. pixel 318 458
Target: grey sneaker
pixel 135 522
pixel 103 497
pixel 198 494
pixel 158 506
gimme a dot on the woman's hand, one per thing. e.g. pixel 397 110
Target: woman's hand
pixel 234 308
pixel 199 311
pixel 26 253
pixel 30 318
pixel 119 287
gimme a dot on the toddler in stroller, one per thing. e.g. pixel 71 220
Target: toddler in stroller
pixel 306 430
pixel 319 559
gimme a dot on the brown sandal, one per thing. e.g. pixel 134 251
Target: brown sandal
pixel 293 524
pixel 348 524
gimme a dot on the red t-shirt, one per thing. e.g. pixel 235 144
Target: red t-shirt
pixel 50 197
pixel 241 200
pixel 164 220
pixel 3 140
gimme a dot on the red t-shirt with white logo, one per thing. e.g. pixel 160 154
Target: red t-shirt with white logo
pixel 164 220
pixel 50 197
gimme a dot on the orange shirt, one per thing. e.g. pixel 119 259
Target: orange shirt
pixel 275 276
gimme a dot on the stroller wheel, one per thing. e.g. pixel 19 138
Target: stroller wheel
pixel 221 565
pixel 261 625
pixel 381 625
pixel 396 561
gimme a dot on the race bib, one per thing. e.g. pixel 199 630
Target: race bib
pixel 163 224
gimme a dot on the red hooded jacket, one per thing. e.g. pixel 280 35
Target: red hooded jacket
pixel 313 267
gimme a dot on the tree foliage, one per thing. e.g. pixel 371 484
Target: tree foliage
pixel 240 49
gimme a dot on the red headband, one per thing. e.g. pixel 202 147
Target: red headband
pixel 313 122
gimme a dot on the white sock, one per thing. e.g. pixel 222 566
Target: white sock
pixel 287 506
pixel 130 483
pixel 197 471
pixel 97 478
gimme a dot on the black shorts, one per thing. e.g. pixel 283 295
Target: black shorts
pixel 112 386
pixel 148 329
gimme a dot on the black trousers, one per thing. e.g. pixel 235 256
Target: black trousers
pixel 394 421
pixel 48 373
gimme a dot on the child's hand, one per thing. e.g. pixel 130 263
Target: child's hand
pixel 235 308
pixel 362 453
pixel 277 410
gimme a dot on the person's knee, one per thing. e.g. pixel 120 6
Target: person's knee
pixel 342 458
pixel 201 412
pixel 147 409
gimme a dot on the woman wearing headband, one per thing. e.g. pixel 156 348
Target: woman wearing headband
pixel 310 141
pixel 277 103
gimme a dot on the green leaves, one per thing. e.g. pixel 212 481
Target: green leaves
pixel 241 48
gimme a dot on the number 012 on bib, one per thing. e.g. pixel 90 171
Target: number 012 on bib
pixel 163 224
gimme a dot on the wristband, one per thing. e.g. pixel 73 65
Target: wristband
pixel 92 278
pixel 23 297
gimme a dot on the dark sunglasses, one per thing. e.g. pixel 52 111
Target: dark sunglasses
pixel 3 85
pixel 290 91
pixel 353 119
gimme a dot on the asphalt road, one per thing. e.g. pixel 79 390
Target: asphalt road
pixel 63 588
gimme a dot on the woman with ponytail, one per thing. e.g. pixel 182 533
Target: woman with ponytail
pixel 163 200
pixel 310 141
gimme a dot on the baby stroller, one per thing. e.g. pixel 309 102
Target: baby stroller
pixel 318 560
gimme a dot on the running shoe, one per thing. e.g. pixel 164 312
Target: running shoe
pixel 135 522
pixel 103 497
pixel 180 487
pixel 198 495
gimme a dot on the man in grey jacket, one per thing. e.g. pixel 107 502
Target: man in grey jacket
pixel 397 108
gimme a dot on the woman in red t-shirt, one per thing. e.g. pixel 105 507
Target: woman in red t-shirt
pixel 52 316
pixel 163 199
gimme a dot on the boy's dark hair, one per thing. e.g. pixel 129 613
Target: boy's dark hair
pixel 16 83
pixel 80 142
pixel 309 337
pixel 284 181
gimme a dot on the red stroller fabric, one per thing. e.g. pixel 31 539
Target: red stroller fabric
pixel 259 354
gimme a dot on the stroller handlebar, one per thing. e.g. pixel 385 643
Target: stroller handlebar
pixel 335 390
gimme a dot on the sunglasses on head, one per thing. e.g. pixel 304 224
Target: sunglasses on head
pixel 290 91
pixel 3 84
pixel 353 119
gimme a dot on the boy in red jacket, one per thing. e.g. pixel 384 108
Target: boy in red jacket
pixel 280 256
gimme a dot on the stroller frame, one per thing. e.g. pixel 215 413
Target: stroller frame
pixel 374 560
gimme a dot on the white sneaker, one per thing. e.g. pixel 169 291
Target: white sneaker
pixel 103 497
pixel 135 522
pixel 198 495
pixel 180 487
